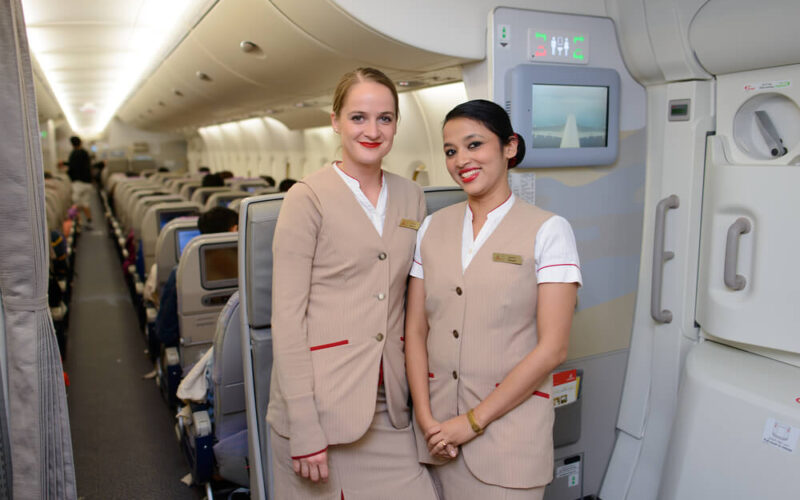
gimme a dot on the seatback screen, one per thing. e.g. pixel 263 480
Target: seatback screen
pixel 219 266
pixel 182 238
pixel 569 116
pixel 253 189
pixel 164 217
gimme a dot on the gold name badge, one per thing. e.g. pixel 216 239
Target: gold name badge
pixel 409 224
pixel 507 258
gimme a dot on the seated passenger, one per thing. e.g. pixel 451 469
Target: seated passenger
pixel 269 180
pixel 213 180
pixel 286 184
pixel 216 220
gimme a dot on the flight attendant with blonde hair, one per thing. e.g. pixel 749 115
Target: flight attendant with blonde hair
pixel 490 306
pixel 343 247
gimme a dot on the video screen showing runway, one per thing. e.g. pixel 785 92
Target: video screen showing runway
pixel 569 116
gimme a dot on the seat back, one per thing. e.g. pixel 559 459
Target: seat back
pixel 171 240
pixel 223 198
pixel 201 194
pixel 134 221
pixel 188 188
pixel 438 197
pixel 249 185
pixel 125 185
pixel 113 166
pixel 207 277
pixel 257 218
pixel 157 217
pixel 227 374
pixel 133 196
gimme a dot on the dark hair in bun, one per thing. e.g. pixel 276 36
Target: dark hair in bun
pixel 493 117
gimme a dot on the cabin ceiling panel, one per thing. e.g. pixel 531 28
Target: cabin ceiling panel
pixel 288 73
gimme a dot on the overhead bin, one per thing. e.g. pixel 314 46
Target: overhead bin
pixel 729 36
pixel 257 58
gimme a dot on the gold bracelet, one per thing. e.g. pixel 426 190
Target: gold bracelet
pixel 473 423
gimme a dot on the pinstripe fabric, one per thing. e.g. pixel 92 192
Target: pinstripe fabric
pixel 379 466
pixel 338 309
pixel 492 306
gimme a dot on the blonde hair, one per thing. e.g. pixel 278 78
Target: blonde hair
pixel 359 75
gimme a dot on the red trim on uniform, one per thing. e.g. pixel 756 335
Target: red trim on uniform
pixel 402 339
pixel 311 454
pixel 342 494
pixel 430 375
pixel 535 393
pixel 417 262
pixel 327 346
pixel 557 265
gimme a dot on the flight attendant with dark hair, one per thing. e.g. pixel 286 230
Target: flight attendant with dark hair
pixel 343 247
pixel 489 311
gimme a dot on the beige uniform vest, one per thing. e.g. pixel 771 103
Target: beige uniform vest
pixel 482 323
pixel 338 308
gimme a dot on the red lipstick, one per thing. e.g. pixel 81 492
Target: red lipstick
pixel 371 145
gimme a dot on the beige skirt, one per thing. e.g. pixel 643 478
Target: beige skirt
pixel 381 465
pixel 457 482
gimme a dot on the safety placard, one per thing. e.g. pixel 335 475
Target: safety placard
pixel 565 387
pixel 781 435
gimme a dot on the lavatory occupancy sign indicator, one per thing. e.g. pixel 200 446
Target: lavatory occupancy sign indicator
pixel 558 47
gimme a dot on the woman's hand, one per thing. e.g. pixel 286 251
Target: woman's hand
pixel 444 439
pixel 314 467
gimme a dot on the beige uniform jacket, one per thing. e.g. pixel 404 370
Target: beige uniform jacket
pixel 482 323
pixel 338 298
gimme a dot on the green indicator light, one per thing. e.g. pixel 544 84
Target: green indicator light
pixel 44 134
pixel 540 35
pixel 577 39
pixel 577 55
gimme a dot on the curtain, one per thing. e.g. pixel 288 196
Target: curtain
pixel 37 423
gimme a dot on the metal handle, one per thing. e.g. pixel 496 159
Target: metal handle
pixel 732 280
pixel 659 257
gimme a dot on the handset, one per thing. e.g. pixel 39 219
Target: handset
pixel 770 134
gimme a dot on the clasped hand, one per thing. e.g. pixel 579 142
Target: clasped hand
pixel 444 438
pixel 314 467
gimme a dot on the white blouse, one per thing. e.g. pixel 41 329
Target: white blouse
pixel 376 214
pixel 555 251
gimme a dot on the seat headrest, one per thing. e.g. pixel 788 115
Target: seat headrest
pixel 257 219
pixel 439 197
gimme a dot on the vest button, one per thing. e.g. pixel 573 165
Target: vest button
pixel 455 375
pixel 458 290
pixel 455 333
pixel 379 337
pixel 382 256
pixel 381 296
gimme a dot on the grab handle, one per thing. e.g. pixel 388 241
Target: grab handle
pixel 660 256
pixel 732 280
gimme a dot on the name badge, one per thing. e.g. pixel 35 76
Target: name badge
pixel 409 224
pixel 507 258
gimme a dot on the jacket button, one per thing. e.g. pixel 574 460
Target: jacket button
pixel 458 290
pixel 455 375
pixel 455 333
pixel 381 296
pixel 382 256
pixel 379 337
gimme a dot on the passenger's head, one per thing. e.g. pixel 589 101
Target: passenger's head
pixel 163 169
pixel 269 180
pixel 48 175
pixel 480 145
pixel 226 174
pixel 286 184
pixel 218 220
pixel 203 170
pixel 365 112
pixel 213 180
pixel 75 141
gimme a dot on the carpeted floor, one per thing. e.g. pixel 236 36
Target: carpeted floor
pixel 122 430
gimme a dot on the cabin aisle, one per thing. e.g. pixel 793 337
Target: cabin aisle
pixel 122 431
